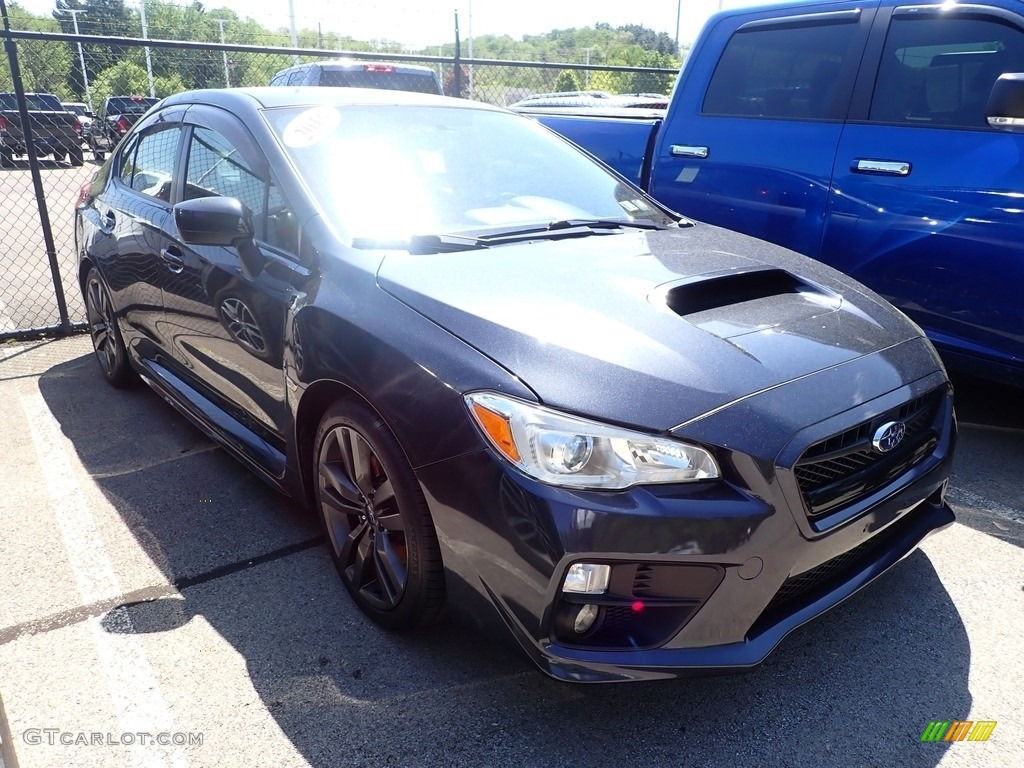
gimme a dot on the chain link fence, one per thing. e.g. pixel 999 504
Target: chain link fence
pixel 44 164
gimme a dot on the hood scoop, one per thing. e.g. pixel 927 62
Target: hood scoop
pixel 737 303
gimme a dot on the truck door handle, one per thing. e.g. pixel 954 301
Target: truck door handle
pixel 684 150
pixel 887 167
pixel 172 259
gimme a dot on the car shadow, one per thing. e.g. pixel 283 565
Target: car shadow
pixel 986 490
pixel 856 687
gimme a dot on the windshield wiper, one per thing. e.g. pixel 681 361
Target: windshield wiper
pixel 419 244
pixel 444 243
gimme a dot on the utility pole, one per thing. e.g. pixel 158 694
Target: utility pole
pixel 145 36
pixel 679 15
pixel 588 50
pixel 227 76
pixel 81 56
pixel 291 24
pixel 469 31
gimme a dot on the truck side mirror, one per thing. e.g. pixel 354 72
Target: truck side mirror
pixel 1005 108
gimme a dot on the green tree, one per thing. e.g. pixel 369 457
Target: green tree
pixel 101 17
pixel 128 78
pixel 567 81
pixel 44 65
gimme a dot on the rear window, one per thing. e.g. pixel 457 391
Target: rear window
pixel 124 105
pixel 36 101
pixel 393 79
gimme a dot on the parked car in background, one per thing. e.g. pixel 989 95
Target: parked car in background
pixel 884 139
pixel 83 113
pixel 346 73
pixel 55 131
pixel 509 381
pixel 116 116
pixel 593 100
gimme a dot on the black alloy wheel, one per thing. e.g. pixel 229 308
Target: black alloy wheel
pixel 378 527
pixel 242 324
pixel 106 337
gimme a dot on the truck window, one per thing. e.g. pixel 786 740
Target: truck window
pixel 781 71
pixel 939 70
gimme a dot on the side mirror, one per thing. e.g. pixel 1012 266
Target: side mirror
pixel 223 221
pixel 1005 108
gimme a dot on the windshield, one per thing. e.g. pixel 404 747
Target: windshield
pixel 393 172
pixel 124 105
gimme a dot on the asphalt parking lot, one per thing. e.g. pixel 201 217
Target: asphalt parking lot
pixel 26 287
pixel 150 586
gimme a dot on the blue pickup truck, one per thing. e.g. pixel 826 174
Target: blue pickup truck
pixel 882 137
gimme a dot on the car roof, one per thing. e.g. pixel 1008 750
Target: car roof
pixel 244 100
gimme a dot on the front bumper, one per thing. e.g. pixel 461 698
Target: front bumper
pixel 507 542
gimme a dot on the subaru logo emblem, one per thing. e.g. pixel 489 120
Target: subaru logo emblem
pixel 888 436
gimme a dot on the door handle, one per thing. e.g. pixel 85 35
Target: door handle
pixel 172 259
pixel 685 150
pixel 886 167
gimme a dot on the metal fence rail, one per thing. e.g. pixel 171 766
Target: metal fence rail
pixel 41 174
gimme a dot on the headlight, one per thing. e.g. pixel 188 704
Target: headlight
pixel 565 450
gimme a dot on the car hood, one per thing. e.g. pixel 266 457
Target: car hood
pixel 648 328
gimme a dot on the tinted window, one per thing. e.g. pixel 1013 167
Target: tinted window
pixel 382 77
pixel 217 168
pixel 297 77
pixel 150 171
pixel 128 161
pixel 121 105
pixel 940 70
pixel 44 102
pixel 781 72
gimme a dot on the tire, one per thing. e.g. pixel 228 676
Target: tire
pixel 6 159
pixel 377 523
pixel 106 336
pixel 98 156
pixel 76 156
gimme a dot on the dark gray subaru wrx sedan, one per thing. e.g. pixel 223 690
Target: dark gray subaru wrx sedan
pixel 509 382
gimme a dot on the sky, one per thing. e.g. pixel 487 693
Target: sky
pixel 419 23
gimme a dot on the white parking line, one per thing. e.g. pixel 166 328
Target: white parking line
pixel 133 687
pixel 6 325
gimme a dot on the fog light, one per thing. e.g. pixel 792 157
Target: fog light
pixel 587 578
pixel 585 619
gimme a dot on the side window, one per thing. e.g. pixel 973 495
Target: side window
pixel 278 79
pixel 939 70
pixel 216 168
pixel 297 77
pixel 150 170
pixel 781 71
pixel 127 161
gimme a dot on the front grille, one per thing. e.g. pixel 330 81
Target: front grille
pixel 799 590
pixel 844 468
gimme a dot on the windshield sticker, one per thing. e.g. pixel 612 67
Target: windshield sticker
pixel 311 127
